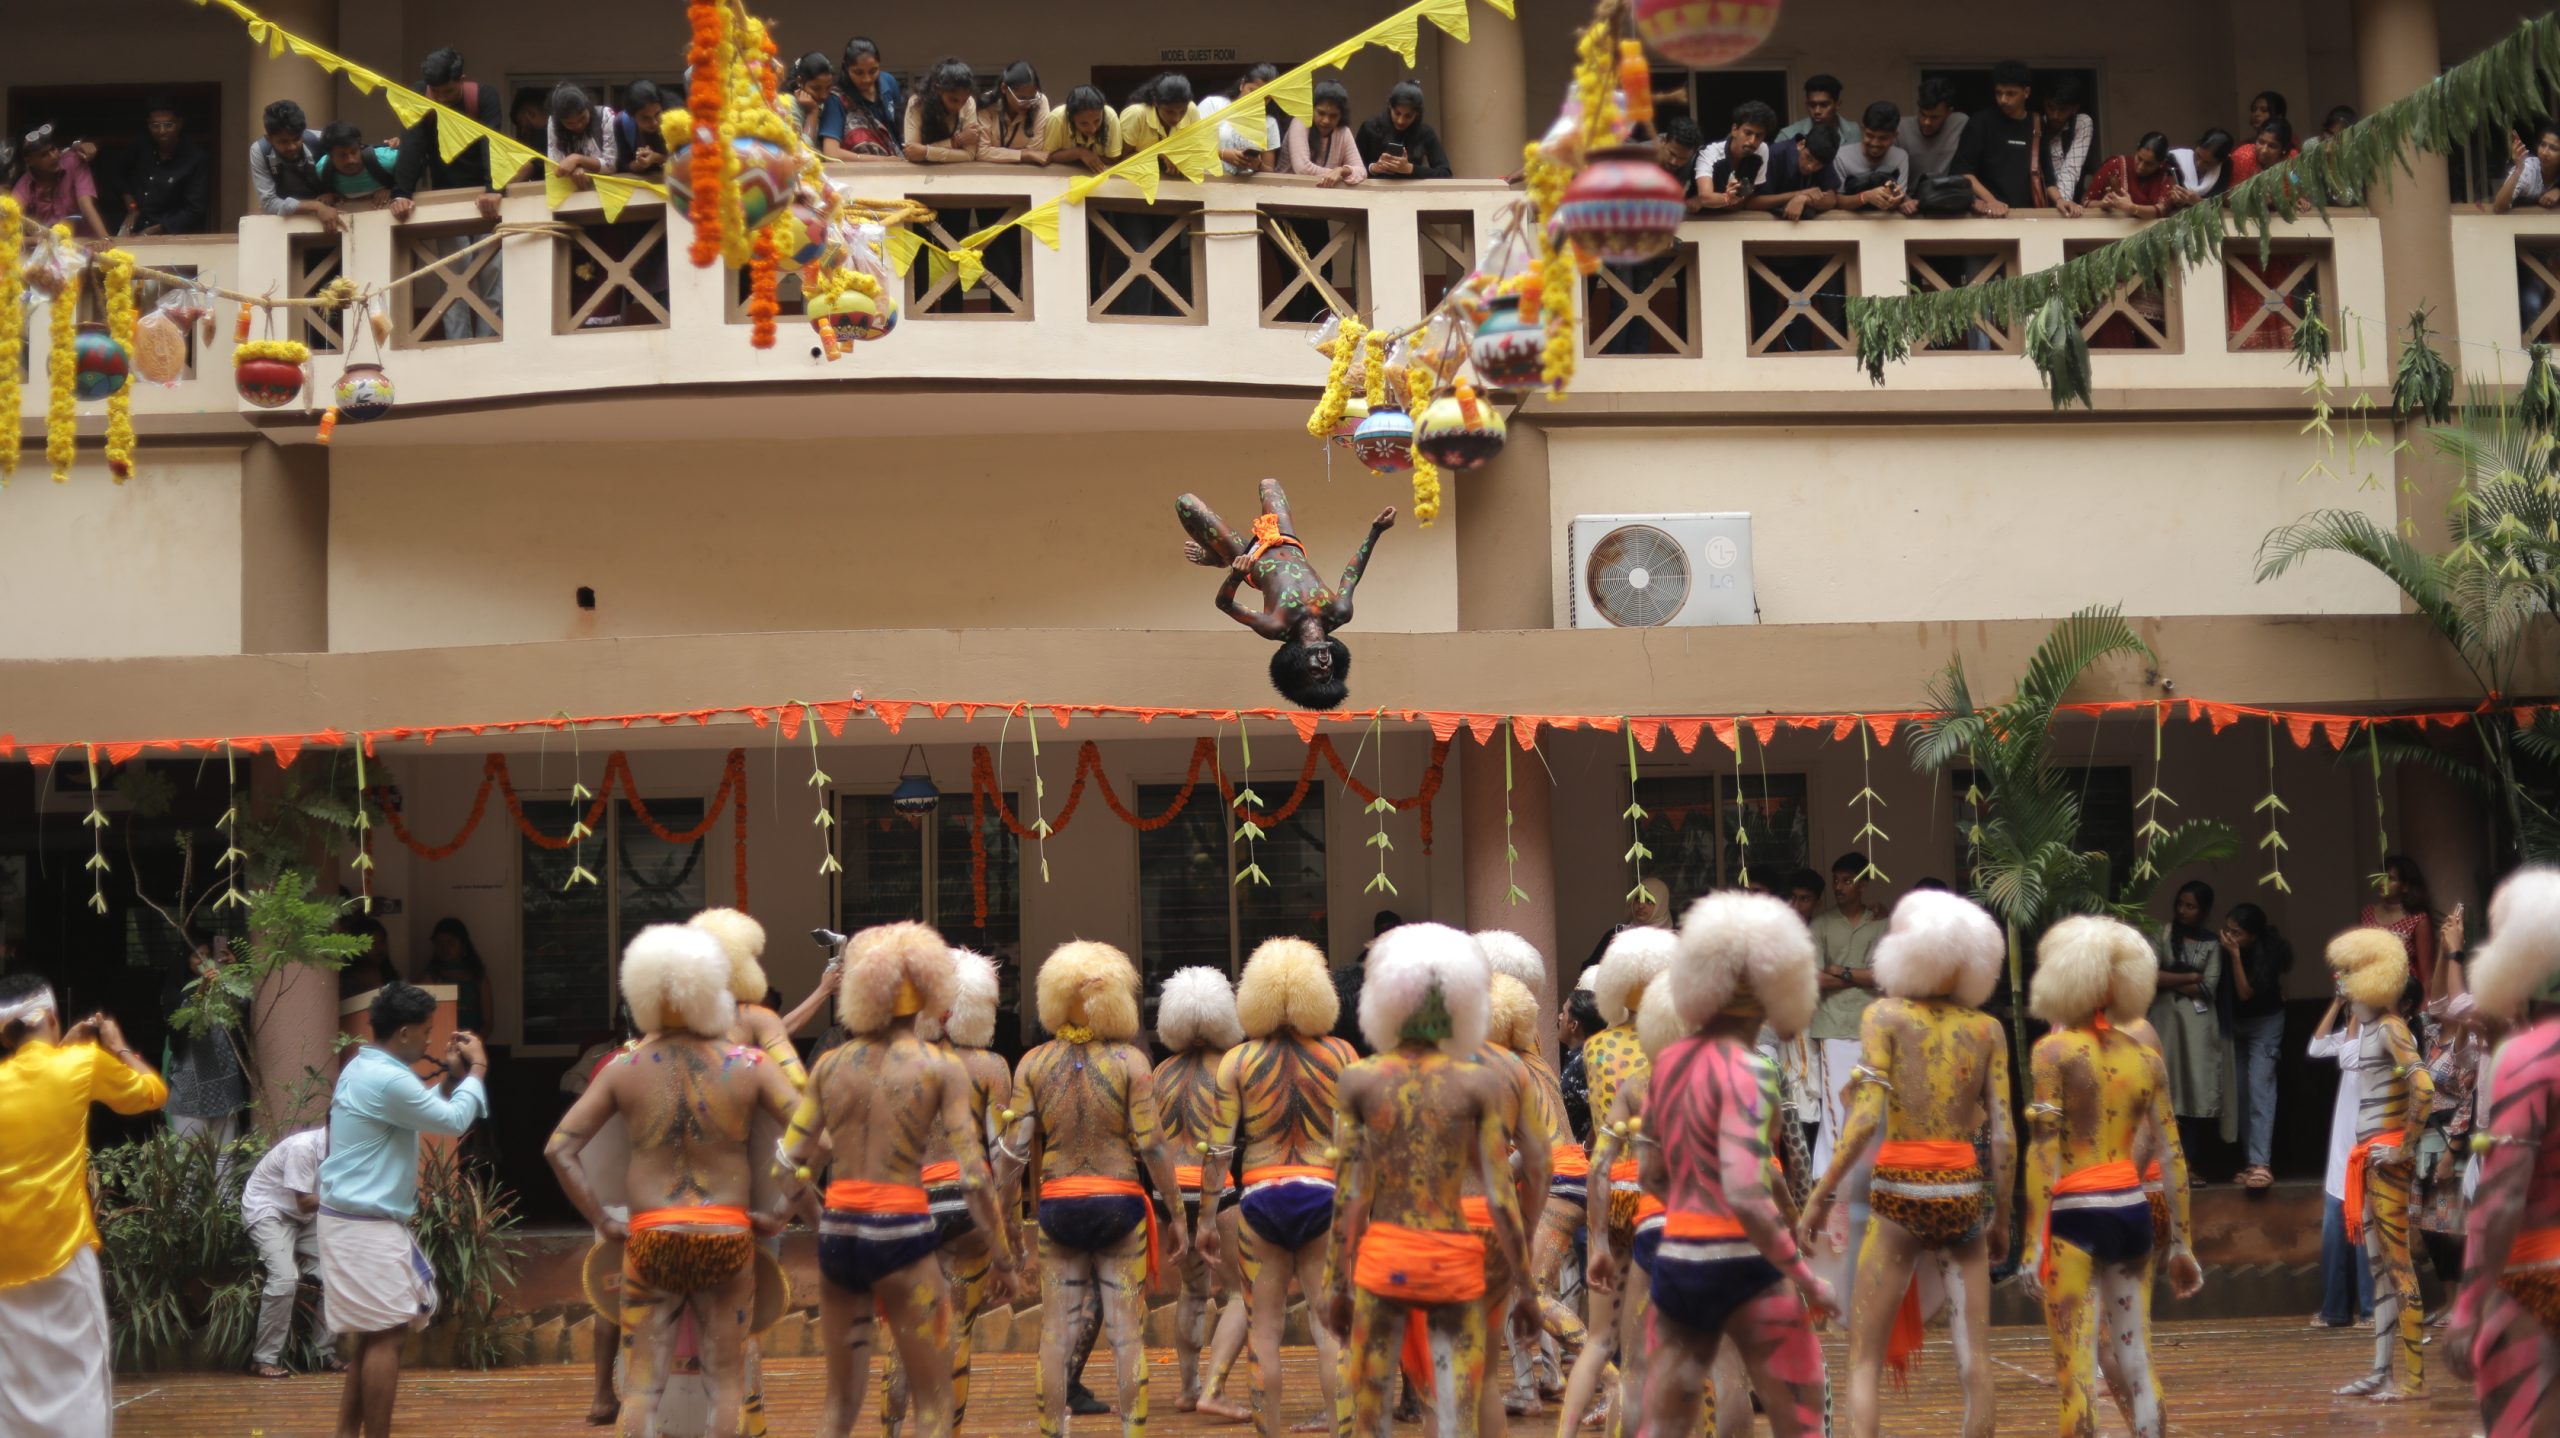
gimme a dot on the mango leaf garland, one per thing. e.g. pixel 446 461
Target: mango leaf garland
pixel 2273 806
pixel 2422 382
pixel 1635 816
pixel 1870 800
pixel 97 822
pixel 2061 354
pixel 1247 805
pixel 1381 806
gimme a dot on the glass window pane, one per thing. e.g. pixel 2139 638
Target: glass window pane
pixel 955 887
pixel 567 935
pixel 1293 855
pixel 1765 827
pixel 1183 877
pixel 883 856
pixel 1680 828
pixel 657 882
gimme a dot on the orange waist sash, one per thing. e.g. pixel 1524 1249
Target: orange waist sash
pixel 1572 1160
pixel 2357 1159
pixel 947 1171
pixel 1271 1172
pixel 1478 1212
pixel 709 1215
pixel 2098 1178
pixel 858 1195
pixel 1648 1208
pixel 1188 1176
pixel 1095 1186
pixel 2534 1247
pixel 1623 1171
pixel 1414 1265
pixel 1926 1153
pixel 2151 1173
pixel 1701 1227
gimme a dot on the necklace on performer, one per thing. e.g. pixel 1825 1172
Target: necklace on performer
pixel 1076 1034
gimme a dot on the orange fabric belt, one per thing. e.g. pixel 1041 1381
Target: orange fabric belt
pixel 709 1215
pixel 1188 1175
pixel 2357 1158
pixel 1623 1171
pixel 1095 1186
pixel 1414 1265
pixel 1926 1153
pixel 1701 1227
pixel 1572 1160
pixel 2098 1178
pixel 2534 1247
pixel 1478 1212
pixel 2151 1172
pixel 947 1171
pixel 1648 1207
pixel 858 1195
pixel 1271 1171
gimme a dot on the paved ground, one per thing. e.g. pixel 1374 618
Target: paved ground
pixel 2261 1377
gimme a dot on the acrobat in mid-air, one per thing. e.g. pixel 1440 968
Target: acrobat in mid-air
pixel 1311 668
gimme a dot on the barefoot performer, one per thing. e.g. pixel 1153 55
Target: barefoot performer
pixel 1312 669
pixel 1083 1112
pixel 1276 1102
pixel 1549 1242
pixel 1531 1121
pixel 2506 1323
pixel 1196 1022
pixel 1933 1071
pixel 688 1096
pixel 2395 1092
pixel 2100 1104
pixel 1412 1122
pixel 2155 1192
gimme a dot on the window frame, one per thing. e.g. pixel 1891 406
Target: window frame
pixel 607 872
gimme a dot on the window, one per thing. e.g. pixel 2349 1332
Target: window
pixel 2106 820
pixel 1718 93
pixel 1796 296
pixel 1191 909
pixel 2268 289
pixel 899 868
pixel 572 937
pixel 1708 831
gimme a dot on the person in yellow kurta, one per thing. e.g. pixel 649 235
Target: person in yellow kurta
pixel 54 1348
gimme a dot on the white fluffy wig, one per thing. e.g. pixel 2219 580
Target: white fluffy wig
pixel 2523 952
pixel 677 978
pixel 1514 1016
pixel 1940 946
pixel 1633 960
pixel 1736 947
pixel 742 940
pixel 1287 985
pixel 975 987
pixel 1406 967
pixel 2085 964
pixel 1658 1021
pixel 1513 955
pixel 881 963
pixel 2372 965
pixel 1093 984
pixel 1196 1008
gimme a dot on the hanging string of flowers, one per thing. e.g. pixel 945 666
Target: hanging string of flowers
pixel 705 61
pixel 115 273
pixel 1040 827
pixel 1426 475
pixel 363 861
pixel 2152 830
pixel 579 830
pixel 61 369
pixel 819 779
pixel 1337 380
pixel 764 282
pixel 13 321
pixel 228 826
pixel 1741 823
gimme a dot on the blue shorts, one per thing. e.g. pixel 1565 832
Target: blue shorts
pixel 2112 1230
pixel 856 1250
pixel 1648 1243
pixel 1289 1212
pixel 949 1203
pixel 1700 1285
pixel 1091 1224
pixel 1571 1187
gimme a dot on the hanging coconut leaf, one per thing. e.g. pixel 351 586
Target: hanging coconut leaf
pixel 2538 403
pixel 2311 342
pixel 2422 383
pixel 2061 354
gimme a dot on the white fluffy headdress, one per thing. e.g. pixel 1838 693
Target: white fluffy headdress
pixel 889 966
pixel 1287 985
pixel 2372 965
pixel 1634 959
pixel 1940 946
pixel 1736 947
pixel 677 977
pixel 1514 1021
pixel 2523 951
pixel 1406 966
pixel 2087 963
pixel 975 987
pixel 742 940
pixel 1658 1021
pixel 1197 1007
pixel 1092 983
pixel 1511 954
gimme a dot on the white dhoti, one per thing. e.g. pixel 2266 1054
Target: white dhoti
pixel 372 1275
pixel 55 1375
pixel 1835 1254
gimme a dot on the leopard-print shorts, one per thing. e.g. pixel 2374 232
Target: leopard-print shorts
pixel 1941 1207
pixel 664 1263
pixel 2538 1289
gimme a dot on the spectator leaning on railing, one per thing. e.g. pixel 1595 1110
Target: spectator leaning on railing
pixel 2000 150
pixel 55 186
pixel 860 122
pixel 1395 144
pixel 1729 170
pixel 1162 106
pixel 2136 183
pixel 1875 173
pixel 1085 134
pixel 1934 132
pixel 1014 119
pixel 2070 139
pixel 354 171
pixel 812 81
pixel 942 116
pixel 1822 108
pixel 284 167
pixel 636 129
pixel 2203 171
pixel 422 162
pixel 584 138
pixel 1321 146
pixel 1240 153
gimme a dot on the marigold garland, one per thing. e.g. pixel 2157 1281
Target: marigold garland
pixel 1556 274
pixel 13 321
pixel 710 20
pixel 1426 475
pixel 1373 369
pixel 115 268
pixel 290 351
pixel 764 276
pixel 61 370
pixel 1328 412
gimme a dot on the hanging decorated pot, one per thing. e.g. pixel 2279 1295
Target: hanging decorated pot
pixel 803 236
pixel 1459 432
pixel 160 347
pixel 364 393
pixel 1384 441
pixel 765 174
pixel 854 315
pixel 100 366
pixel 1355 412
pixel 1702 34
pixel 1510 352
pixel 1623 209
pixel 270 373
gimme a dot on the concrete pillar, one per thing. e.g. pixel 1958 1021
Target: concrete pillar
pixel 2396 54
pixel 1484 109
pixel 1486 843
pixel 289 76
pixel 295 1013
pixel 284 548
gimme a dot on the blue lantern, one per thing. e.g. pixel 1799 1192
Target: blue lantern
pixel 916 797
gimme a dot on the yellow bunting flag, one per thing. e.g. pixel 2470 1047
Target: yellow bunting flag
pixel 1194 152
pixel 612 193
pixel 1401 34
pixel 454 133
pixel 973 266
pixel 1294 92
pixel 314 54
pixel 1081 186
pixel 557 188
pixel 903 244
pixel 1144 172
pixel 507 159
pixel 1449 15
pixel 408 104
pixel 1043 222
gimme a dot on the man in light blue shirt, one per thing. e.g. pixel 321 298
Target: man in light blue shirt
pixel 376 1281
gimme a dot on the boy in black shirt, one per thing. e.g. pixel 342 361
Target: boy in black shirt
pixel 2000 149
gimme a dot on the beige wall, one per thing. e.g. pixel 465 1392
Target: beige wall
pixel 91 569
pixel 1984 522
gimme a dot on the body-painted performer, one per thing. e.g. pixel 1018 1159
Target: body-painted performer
pixel 1727 1265
pixel 1311 668
pixel 1196 1022
pixel 969 1249
pixel 1083 1112
pixel 1933 1072
pixel 881 1101
pixel 1530 1121
pixel 2394 1095
pixel 2506 1321
pixel 1551 1232
pixel 1611 1059
pixel 1276 1101
pixel 689 1097
pixel 2100 1106
pixel 1413 1121
pixel 54 1345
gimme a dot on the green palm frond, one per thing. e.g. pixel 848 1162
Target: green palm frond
pixel 2198 841
pixel 2075 645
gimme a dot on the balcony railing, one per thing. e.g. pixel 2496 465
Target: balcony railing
pixel 1198 291
pixel 2507 272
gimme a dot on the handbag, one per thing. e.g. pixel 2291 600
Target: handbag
pixel 1943 195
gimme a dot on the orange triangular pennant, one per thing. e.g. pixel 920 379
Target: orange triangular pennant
pixel 940 708
pixel 835 713
pixel 1648 733
pixel 1524 728
pixel 792 716
pixel 1305 724
pixel 122 753
pixel 2339 729
pixel 1444 726
pixel 761 718
pixel 2524 720
pixel 2223 716
pixel 2299 726
pixel 288 748
pixel 1482 726
pixel 1881 726
pixel 1061 714
pixel 8 742
pixel 892 712
pixel 1685 732
pixel 41 755
pixel 1728 732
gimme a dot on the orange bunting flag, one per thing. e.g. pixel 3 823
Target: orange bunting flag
pixel 893 712
pixel 1728 733
pixel 2339 730
pixel 1765 730
pixel 1524 728
pixel 1444 726
pixel 1061 713
pixel 2222 715
pixel 1648 732
pixel 792 715
pixel 1881 725
pixel 1304 723
pixel 835 713
pixel 1483 725
pixel 2524 720
pixel 2299 726
pixel 288 747
pixel 41 755
pixel 122 753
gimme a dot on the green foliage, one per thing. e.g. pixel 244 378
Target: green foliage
pixel 2422 382
pixel 2060 353
pixel 182 1279
pixel 466 1224
pixel 287 925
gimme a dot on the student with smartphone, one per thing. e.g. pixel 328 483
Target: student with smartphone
pixel 1395 143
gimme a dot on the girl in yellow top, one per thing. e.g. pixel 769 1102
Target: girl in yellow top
pixel 1083 132
pixel 54 1374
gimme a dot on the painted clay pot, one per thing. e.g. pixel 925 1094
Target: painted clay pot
pixel 854 316
pixel 1510 352
pixel 1702 34
pixel 364 393
pixel 1623 209
pixel 765 175
pixel 160 347
pixel 1384 441
pixel 268 383
pixel 802 238
pixel 100 367
pixel 1458 437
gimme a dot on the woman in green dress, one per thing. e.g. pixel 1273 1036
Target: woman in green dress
pixel 2191 1040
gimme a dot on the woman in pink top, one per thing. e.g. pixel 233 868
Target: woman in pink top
pixel 1322 147
pixel 2405 911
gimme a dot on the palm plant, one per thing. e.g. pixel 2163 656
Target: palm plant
pixel 2489 595
pixel 2030 867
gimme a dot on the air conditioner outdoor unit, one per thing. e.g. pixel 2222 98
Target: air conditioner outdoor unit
pixel 1640 571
